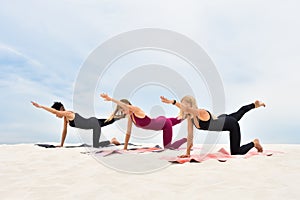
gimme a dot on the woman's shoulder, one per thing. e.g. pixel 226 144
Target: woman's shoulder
pixel 70 115
pixel 204 114
pixel 203 111
pixel 135 108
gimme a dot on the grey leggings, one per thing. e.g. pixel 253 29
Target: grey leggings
pixel 92 123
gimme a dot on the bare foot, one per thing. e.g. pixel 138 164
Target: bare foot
pixel 115 141
pixel 257 145
pixel 259 104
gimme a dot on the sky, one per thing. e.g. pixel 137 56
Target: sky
pixel 253 44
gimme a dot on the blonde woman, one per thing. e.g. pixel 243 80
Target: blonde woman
pixel 137 116
pixel 204 120
pixel 77 121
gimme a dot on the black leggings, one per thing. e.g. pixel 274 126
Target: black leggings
pixel 230 123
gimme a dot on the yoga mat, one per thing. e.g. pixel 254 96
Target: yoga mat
pixel 102 144
pixel 106 152
pixel 222 156
pixel 53 146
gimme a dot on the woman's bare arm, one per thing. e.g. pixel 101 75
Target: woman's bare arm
pixel 168 101
pixel 123 105
pixel 190 139
pixel 120 103
pixel 51 110
pixel 64 132
pixel 179 105
pixel 202 114
pixel 128 133
pixel 68 114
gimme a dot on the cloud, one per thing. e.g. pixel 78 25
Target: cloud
pixel 24 79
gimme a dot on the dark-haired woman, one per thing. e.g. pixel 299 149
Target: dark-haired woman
pixel 77 121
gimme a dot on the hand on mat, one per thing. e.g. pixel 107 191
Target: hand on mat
pixel 57 146
pixel 106 97
pixel 184 156
pixel 165 100
pixel 36 104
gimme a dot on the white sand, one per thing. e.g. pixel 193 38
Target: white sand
pixel 31 172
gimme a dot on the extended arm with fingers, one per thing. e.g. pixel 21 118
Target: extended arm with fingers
pixel 168 101
pixel 123 105
pixel 194 111
pixel 68 114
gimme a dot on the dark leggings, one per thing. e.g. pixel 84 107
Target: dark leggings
pixel 168 130
pixel 92 123
pixel 164 124
pixel 231 124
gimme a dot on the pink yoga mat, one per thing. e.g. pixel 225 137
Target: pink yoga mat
pixel 222 156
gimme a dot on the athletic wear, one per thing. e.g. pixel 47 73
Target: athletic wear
pixel 229 123
pixel 91 123
pixel 157 124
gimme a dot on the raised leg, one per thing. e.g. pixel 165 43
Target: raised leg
pixel 175 121
pixel 243 110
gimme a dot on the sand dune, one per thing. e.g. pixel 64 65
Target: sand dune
pixel 31 172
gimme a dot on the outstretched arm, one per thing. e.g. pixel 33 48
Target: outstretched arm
pixel 128 133
pixel 51 110
pixel 193 111
pixel 68 114
pixel 168 101
pixel 123 105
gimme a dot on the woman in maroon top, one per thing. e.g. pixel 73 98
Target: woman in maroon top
pixel 137 116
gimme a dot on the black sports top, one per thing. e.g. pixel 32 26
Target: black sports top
pixel 72 123
pixel 204 125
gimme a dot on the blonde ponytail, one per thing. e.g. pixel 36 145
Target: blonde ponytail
pixel 117 112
